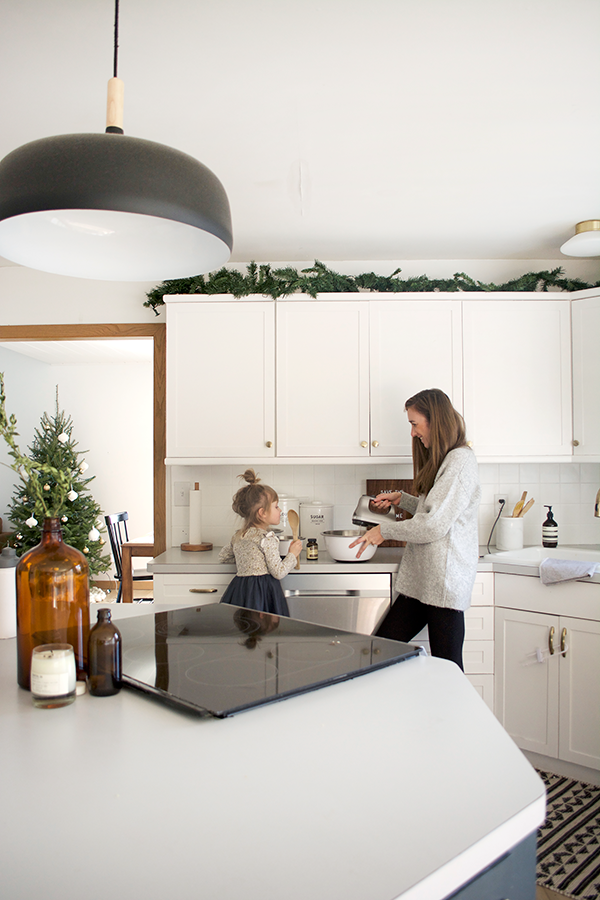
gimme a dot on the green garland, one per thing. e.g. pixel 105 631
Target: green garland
pixel 318 279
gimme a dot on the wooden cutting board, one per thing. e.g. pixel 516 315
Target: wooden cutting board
pixel 377 485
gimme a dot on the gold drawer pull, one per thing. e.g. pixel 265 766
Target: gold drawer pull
pixel 563 642
pixel 551 641
pixel 203 590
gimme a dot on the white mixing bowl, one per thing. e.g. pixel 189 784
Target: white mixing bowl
pixel 337 544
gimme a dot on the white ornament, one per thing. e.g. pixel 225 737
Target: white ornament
pixel 86 550
pixel 94 534
pixel 83 467
pixel 64 518
pixel 46 487
pixel 72 495
pixel 31 522
pixel 63 438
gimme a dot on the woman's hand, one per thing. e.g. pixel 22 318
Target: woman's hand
pixel 372 536
pixel 295 548
pixel 384 501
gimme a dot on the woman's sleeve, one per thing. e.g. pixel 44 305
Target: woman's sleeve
pixel 408 502
pixel 449 497
pixel 226 554
pixel 277 566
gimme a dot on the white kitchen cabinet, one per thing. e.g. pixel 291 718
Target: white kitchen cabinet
pixel 517 377
pixel 323 378
pixel 548 668
pixel 192 589
pixel 360 361
pixel 220 378
pixel 586 378
pixel 414 344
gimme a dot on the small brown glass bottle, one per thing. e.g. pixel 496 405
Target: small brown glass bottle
pixel 104 656
pixel 312 549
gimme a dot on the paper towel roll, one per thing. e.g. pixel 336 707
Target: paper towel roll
pixel 195 530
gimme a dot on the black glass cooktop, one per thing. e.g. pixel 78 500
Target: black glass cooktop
pixel 217 660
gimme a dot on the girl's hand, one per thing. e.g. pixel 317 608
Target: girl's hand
pixel 373 536
pixel 384 501
pixel 295 548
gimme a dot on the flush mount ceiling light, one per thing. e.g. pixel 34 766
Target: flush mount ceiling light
pixel 585 241
pixel 112 207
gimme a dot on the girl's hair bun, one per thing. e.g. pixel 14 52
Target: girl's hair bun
pixel 250 476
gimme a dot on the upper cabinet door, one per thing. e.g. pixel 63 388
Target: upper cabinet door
pixel 517 377
pixel 586 378
pixel 415 344
pixel 220 378
pixel 323 378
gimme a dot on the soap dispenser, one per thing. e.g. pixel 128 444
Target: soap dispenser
pixel 549 530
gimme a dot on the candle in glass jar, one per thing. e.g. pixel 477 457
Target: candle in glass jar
pixel 53 678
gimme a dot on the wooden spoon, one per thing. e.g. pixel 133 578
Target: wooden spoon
pixel 526 508
pixel 295 526
pixel 519 506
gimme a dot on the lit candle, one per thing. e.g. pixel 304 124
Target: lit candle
pixel 53 677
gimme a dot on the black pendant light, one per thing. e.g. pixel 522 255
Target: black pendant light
pixel 112 207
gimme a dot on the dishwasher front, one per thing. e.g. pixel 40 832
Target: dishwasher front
pixel 351 602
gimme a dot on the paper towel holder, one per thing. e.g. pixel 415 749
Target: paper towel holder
pixel 202 545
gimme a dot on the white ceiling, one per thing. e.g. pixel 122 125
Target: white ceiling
pixel 341 129
pixel 76 353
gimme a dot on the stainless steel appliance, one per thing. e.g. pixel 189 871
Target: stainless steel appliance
pixel 328 600
pixel 367 514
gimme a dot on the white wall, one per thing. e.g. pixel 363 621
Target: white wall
pixel 111 407
pixel 569 487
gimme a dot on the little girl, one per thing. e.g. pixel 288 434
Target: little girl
pixel 255 551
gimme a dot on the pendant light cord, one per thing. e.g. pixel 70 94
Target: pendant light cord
pixel 114 108
pixel 116 42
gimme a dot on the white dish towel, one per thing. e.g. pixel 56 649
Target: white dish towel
pixel 555 570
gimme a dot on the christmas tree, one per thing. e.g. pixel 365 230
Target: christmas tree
pixel 53 484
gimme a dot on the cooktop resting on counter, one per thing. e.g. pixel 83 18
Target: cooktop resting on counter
pixel 217 660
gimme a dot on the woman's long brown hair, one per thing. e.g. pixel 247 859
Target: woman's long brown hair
pixel 446 432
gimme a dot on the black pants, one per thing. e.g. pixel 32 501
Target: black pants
pixel 408 616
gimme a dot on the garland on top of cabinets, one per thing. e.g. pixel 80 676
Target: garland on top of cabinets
pixel 318 279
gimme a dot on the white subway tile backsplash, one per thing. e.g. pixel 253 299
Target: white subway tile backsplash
pixel 569 487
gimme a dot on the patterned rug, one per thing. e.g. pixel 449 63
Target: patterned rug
pixel 568 846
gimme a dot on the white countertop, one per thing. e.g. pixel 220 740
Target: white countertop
pixel 386 559
pixel 397 783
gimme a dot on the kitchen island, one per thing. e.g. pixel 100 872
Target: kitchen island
pixel 399 783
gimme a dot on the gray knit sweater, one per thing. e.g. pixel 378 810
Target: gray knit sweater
pixel 440 560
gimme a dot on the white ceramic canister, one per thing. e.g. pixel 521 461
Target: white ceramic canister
pixel 285 504
pixel 509 533
pixel 8 593
pixel 315 517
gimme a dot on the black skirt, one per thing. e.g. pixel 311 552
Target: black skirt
pixel 261 592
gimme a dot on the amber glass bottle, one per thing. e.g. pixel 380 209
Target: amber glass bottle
pixel 104 657
pixel 53 605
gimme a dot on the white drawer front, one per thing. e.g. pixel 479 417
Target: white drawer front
pixel 478 657
pixel 479 623
pixel 483 589
pixel 484 685
pixel 190 590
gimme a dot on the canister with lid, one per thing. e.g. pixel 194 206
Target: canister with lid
pixel 315 517
pixel 285 504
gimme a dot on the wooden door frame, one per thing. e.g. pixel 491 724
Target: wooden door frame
pixel 157 332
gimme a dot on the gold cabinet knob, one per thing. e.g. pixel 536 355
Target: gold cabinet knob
pixel 375 443
pixel 269 444
pixel 470 444
pixel 364 444
pixel 576 443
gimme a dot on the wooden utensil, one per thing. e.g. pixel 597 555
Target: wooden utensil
pixel 294 522
pixel 526 508
pixel 519 506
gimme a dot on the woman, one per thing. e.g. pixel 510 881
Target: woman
pixel 438 567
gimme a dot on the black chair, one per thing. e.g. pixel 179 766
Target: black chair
pixel 117 532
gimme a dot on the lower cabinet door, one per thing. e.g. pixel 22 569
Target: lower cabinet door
pixel 579 716
pixel 526 700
